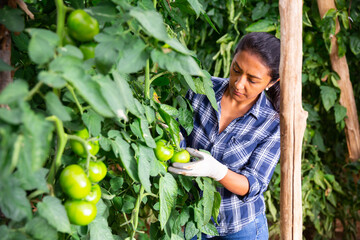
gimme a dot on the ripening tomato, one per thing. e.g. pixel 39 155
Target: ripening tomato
pixel 80 212
pixel 79 149
pixel 74 182
pixel 97 170
pixel 94 195
pixel 181 156
pixel 163 151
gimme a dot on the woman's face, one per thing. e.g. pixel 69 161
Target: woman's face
pixel 248 77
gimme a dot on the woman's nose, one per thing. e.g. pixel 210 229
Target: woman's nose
pixel 240 82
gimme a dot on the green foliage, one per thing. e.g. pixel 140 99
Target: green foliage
pixel 57 92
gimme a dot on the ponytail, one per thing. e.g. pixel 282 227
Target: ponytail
pixel 274 95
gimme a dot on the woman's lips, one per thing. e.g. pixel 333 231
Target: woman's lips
pixel 238 93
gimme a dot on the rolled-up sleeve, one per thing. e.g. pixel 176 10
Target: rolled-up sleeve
pixel 261 165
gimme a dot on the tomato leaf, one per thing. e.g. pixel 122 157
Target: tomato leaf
pixel 134 56
pixel 89 90
pixel 93 122
pixel 4 67
pixel 14 91
pixel 111 95
pixel 173 127
pixel 262 25
pixel 167 193
pixel 12 18
pixel 42 45
pixel 99 229
pixel 186 120
pixel 176 62
pixel 13 202
pixel 39 228
pixel 11 116
pixel 123 150
pixel 216 206
pixel 328 96
pixel 150 142
pixel 146 155
pixel 186 182
pixel 52 79
pixel 208 199
pixel 30 180
pixel 55 107
pixel 125 93
pixel 210 229
pixel 340 112
pixel 190 230
pixel 209 91
pixel 54 212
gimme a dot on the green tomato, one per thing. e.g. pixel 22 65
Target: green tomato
pixel 74 182
pixel 163 150
pixel 79 149
pixel 94 195
pixel 97 170
pixel 181 156
pixel 80 212
pixel 82 26
pixel 88 50
pixel 309 38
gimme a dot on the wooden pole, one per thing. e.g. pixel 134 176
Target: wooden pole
pixel 292 119
pixel 339 65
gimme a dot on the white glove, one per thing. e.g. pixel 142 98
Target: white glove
pixel 207 166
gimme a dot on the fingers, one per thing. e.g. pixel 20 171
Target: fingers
pixel 195 153
pixel 184 165
pixel 178 170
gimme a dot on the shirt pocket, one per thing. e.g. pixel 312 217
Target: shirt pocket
pixel 237 153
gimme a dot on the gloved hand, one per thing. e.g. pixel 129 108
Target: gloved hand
pixel 207 166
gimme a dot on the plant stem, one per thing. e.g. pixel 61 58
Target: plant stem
pixel 62 139
pixel 135 212
pixel 71 89
pixel 61 12
pixel 33 91
pixel 147 79
pixel 16 152
pixel 158 75
pixel 155 3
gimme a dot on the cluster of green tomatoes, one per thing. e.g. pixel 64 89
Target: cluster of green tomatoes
pixel 164 152
pixel 82 188
pixel 81 27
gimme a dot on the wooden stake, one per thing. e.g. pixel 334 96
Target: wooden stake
pixel 339 65
pixel 292 119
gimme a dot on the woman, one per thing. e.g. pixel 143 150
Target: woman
pixel 243 137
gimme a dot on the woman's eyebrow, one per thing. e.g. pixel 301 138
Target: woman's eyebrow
pixel 250 75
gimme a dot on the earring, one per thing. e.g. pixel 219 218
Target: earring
pixel 266 89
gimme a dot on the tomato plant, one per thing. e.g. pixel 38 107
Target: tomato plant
pixel 84 85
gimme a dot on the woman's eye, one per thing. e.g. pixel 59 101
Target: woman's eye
pixel 236 70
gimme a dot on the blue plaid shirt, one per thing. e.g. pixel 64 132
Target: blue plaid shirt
pixel 250 145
